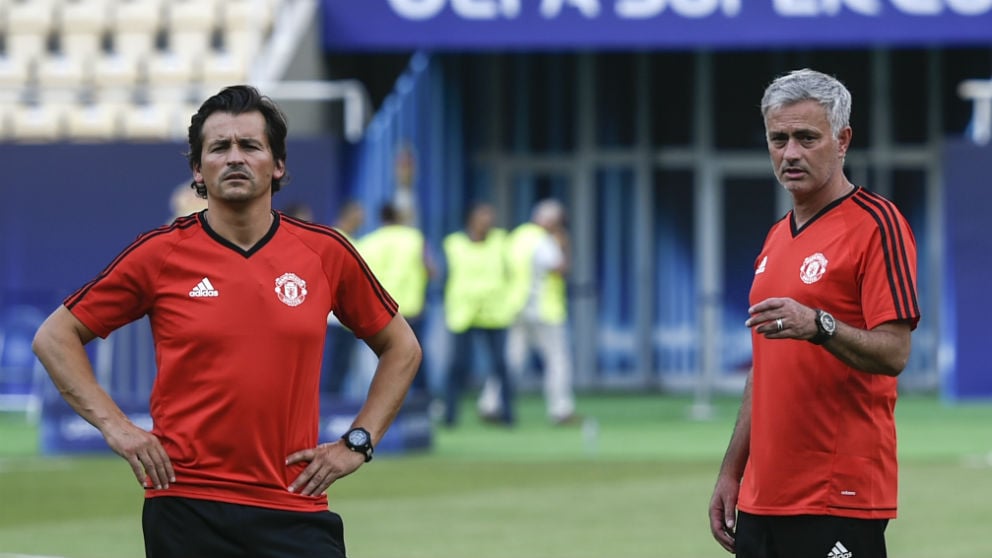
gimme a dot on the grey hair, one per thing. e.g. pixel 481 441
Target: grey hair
pixel 810 85
pixel 548 211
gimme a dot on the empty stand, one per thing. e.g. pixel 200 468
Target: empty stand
pixel 72 69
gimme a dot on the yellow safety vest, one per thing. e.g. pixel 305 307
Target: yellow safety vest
pixel 395 253
pixel 521 246
pixel 475 292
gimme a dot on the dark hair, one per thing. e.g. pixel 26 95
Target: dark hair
pixel 388 213
pixel 239 99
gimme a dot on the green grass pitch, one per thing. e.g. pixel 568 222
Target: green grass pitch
pixel 639 489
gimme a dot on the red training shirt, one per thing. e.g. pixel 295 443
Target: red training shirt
pixel 823 437
pixel 239 338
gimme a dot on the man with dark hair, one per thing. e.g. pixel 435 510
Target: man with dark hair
pixel 811 471
pixel 238 297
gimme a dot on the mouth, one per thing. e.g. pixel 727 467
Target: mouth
pixel 793 173
pixel 236 176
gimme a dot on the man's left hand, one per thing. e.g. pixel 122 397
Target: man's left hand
pixel 327 463
pixel 782 318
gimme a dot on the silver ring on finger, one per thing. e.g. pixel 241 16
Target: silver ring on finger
pixel 780 324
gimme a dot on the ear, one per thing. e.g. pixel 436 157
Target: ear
pixel 844 141
pixel 197 176
pixel 280 169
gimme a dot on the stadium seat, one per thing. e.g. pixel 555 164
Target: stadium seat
pixel 14 72
pixel 224 68
pixel 191 25
pixel 37 122
pixel 94 121
pixel 113 70
pixel 134 25
pixel 27 27
pixel 57 70
pixel 252 15
pixel 81 28
pixel 172 69
pixel 149 121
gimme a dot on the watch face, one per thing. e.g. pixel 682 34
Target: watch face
pixel 358 437
pixel 828 322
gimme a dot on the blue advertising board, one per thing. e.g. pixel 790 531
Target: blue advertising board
pixel 673 24
pixel 65 432
pixel 967 269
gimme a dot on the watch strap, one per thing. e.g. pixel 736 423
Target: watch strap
pixel 822 335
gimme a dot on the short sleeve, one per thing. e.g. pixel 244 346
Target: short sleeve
pixel 118 295
pixel 888 286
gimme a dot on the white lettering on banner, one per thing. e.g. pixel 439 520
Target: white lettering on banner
pixel 485 9
pixel 644 9
pixel 695 9
pixel 551 8
pixel 979 92
pixel 812 8
pixel 468 9
pixel 417 9
pixel 919 7
pixel 970 7
pixel 639 9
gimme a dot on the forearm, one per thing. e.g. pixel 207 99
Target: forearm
pixel 739 448
pixel 60 349
pixel 398 363
pixel 883 350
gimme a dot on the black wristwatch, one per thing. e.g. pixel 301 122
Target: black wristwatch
pixel 826 327
pixel 359 440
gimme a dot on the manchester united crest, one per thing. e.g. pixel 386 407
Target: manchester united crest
pixel 813 268
pixel 291 290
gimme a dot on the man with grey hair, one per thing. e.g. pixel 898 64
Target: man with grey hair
pixel 537 254
pixel 810 471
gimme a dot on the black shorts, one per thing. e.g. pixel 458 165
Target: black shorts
pixel 189 528
pixel 809 536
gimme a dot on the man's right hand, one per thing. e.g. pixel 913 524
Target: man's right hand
pixel 143 452
pixel 723 512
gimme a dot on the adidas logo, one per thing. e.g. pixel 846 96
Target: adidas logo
pixel 838 551
pixel 204 289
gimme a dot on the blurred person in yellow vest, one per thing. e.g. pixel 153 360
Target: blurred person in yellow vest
pixel 475 307
pixel 537 254
pixel 340 345
pixel 397 254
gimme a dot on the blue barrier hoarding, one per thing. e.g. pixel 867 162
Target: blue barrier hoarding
pixel 65 432
pixel 967 270
pixel 673 24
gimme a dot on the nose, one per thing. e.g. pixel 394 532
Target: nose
pixel 235 156
pixel 793 151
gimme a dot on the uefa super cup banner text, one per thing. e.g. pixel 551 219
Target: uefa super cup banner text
pixel 487 24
